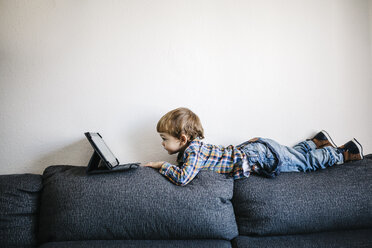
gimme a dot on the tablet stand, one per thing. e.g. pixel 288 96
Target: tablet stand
pixel 95 163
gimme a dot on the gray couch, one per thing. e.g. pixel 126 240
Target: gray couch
pixel 140 208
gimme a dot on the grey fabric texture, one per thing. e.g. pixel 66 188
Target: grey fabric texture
pixel 140 243
pixel 337 198
pixel 136 204
pixel 19 200
pixel 341 239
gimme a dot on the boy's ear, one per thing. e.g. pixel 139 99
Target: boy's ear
pixel 184 138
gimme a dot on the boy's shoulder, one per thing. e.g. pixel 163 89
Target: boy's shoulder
pixel 198 144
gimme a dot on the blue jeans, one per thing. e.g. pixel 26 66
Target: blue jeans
pixel 268 158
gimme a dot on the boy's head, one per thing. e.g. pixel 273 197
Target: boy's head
pixel 178 127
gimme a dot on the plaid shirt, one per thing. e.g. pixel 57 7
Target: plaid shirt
pixel 199 156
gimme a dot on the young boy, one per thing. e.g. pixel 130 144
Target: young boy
pixel 181 131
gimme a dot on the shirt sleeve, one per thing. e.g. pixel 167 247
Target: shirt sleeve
pixel 182 175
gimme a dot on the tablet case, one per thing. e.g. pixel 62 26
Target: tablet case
pixel 98 164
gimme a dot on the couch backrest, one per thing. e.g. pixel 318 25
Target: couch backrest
pixel 337 198
pixel 19 200
pixel 137 204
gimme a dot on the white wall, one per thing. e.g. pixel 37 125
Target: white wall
pixel 370 22
pixel 281 69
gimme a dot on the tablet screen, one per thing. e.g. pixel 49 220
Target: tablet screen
pixel 105 151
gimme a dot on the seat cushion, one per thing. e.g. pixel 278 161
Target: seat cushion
pixel 340 239
pixel 136 204
pixel 139 243
pixel 336 198
pixel 19 200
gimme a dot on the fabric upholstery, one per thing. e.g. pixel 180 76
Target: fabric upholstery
pixel 137 204
pixel 140 243
pixel 19 200
pixel 337 198
pixel 340 239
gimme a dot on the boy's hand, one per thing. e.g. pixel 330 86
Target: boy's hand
pixel 155 165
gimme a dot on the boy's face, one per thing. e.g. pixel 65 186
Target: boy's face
pixel 171 144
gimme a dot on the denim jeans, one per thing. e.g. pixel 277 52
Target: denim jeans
pixel 268 158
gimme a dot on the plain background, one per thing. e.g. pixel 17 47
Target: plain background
pixel 282 69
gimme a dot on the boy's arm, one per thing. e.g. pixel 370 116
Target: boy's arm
pixel 184 175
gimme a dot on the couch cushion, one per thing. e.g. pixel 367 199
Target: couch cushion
pixel 340 239
pixel 137 204
pixel 19 200
pixel 336 198
pixel 139 243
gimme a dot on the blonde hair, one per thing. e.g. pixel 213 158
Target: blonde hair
pixel 181 121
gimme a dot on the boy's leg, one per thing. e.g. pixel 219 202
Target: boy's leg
pixel 305 146
pixel 263 161
pixel 293 160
